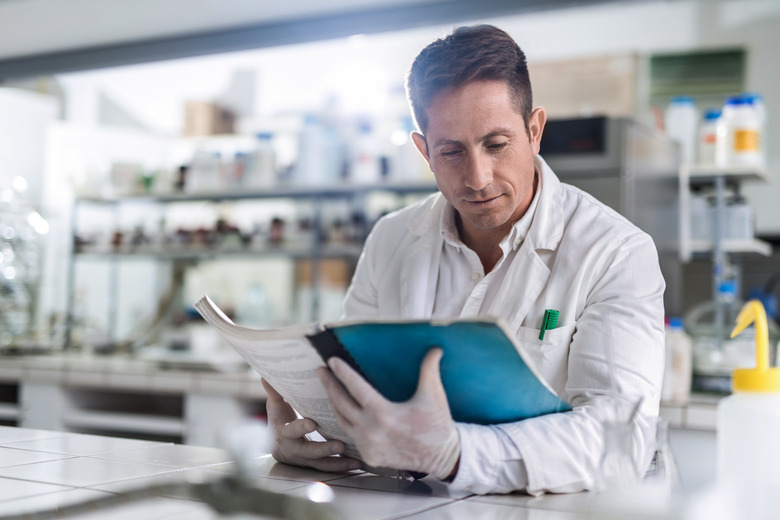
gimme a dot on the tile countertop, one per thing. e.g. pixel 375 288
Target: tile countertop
pixel 42 469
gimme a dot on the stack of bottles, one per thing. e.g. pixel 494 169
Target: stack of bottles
pixel 731 136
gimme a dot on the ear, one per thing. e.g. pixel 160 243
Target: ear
pixel 421 145
pixel 536 127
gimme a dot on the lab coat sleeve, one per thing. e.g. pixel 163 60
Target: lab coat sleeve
pixel 618 345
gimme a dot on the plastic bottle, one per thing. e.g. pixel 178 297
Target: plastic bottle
pixel 740 220
pixel 681 120
pixel 708 135
pixel 261 171
pixel 677 369
pixel 739 141
pixel 748 424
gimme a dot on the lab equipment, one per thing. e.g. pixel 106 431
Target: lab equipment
pixel 708 136
pixel 740 134
pixel 715 353
pixel 747 425
pixel 678 369
pixel 664 472
pixel 681 120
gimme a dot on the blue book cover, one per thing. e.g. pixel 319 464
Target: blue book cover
pixel 484 374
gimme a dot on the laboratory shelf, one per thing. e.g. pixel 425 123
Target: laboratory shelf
pixel 733 246
pixel 276 192
pixel 194 254
pixel 705 174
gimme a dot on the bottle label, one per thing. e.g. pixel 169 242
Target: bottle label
pixel 745 140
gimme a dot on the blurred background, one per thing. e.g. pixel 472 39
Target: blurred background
pixel 158 150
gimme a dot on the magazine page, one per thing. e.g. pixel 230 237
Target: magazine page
pixel 284 358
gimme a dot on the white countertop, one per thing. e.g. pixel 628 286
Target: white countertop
pixel 44 469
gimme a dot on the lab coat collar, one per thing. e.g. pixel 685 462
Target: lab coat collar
pixel 546 227
pixel 528 275
pixel 526 278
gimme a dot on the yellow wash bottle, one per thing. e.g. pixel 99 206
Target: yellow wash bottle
pixel 748 431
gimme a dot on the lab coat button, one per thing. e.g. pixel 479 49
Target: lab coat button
pixel 476 276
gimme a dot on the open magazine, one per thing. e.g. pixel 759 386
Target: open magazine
pixel 484 373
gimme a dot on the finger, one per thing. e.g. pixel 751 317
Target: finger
pixel 430 374
pixel 360 389
pixel 279 411
pixel 319 449
pixel 340 401
pixel 297 428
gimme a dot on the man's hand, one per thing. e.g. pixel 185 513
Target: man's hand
pixel 288 442
pixel 418 435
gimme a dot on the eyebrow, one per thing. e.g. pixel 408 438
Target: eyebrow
pixel 491 134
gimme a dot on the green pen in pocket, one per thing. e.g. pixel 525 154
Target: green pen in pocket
pixel 549 322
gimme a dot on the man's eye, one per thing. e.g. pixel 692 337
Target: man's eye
pixel 450 153
pixel 496 146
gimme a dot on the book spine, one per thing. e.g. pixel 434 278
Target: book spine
pixel 328 345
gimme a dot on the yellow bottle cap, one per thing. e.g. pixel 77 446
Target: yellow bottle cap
pixel 763 378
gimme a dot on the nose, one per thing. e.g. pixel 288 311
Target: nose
pixel 479 171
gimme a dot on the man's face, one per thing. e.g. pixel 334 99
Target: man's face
pixel 482 156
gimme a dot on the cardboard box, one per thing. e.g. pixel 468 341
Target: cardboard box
pixel 333 272
pixel 205 118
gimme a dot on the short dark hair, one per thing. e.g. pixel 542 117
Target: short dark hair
pixel 469 53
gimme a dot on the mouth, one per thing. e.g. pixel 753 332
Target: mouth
pixel 483 202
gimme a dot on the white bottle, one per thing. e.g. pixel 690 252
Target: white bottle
pixel 708 136
pixel 678 366
pixel 682 120
pixel 739 142
pixel 740 220
pixel 748 424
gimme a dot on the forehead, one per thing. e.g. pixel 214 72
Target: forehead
pixel 476 107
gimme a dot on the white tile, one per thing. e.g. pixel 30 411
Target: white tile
pixel 82 471
pixel 11 489
pixel 177 455
pixel 266 466
pixel 27 507
pixel 82 444
pixel 351 503
pixel 484 511
pixel 194 476
pixel 566 502
pixel 116 509
pixel 425 487
pixel 16 457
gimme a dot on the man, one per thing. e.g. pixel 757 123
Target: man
pixel 503 238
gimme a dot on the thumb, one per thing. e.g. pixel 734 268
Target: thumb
pixel 430 374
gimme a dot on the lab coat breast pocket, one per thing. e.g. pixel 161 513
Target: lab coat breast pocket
pixel 549 355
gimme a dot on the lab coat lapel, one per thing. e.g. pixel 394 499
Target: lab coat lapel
pixel 528 275
pixel 525 280
pixel 420 267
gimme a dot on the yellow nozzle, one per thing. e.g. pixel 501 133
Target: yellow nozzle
pixel 762 378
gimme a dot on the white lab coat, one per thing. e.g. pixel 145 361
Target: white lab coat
pixel 579 257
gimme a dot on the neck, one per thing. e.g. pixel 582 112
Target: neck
pixel 483 242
